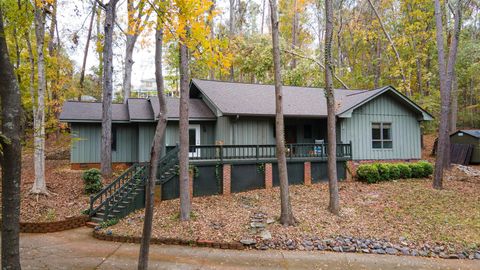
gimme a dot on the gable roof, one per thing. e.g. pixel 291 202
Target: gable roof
pixel 472 132
pixel 135 110
pixel 259 99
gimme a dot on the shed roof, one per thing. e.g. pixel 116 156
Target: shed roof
pixel 258 99
pixel 472 132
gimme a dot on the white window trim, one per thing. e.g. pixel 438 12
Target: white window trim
pixel 197 140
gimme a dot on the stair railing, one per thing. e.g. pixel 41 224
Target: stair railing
pixel 166 163
pixel 102 198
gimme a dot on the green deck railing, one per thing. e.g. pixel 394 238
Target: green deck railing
pixel 266 151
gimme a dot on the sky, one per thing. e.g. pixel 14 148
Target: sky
pixel 73 21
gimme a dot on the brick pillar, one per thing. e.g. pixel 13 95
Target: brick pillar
pixel 268 176
pixel 227 178
pixel 157 193
pixel 307 173
pixel 351 170
pixel 190 182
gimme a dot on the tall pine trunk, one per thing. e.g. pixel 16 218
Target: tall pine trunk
pixel 231 33
pixel 185 204
pixel 39 185
pixel 155 151
pixel 286 214
pixel 87 44
pixel 446 73
pixel 106 147
pixel 334 204
pixel 11 159
pixel 295 26
pixel 127 75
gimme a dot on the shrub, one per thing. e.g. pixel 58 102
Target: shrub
pixel 427 168
pixel 383 170
pixel 108 223
pixel 405 170
pixel 417 170
pixel 393 171
pixel 368 173
pixel 92 180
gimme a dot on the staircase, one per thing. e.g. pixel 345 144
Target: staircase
pixel 127 193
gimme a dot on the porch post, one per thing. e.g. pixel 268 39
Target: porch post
pixel 307 173
pixel 268 176
pixel 227 175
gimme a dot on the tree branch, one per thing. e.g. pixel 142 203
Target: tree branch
pixel 316 62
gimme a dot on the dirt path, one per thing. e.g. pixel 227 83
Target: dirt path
pixel 77 249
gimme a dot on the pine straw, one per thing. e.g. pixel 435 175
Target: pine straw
pixel 390 210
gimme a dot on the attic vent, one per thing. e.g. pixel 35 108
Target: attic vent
pixel 460 134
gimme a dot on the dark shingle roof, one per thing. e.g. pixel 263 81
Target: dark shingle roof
pixel 74 111
pixel 258 99
pixel 136 110
pixel 196 108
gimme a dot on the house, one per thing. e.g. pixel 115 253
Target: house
pixel 380 124
pixel 471 137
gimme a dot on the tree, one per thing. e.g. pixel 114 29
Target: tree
pixel 156 147
pixel 334 203
pixel 87 44
pixel 185 204
pixel 39 185
pixel 136 24
pixel 286 213
pixel 446 72
pixel 11 158
pixel 107 85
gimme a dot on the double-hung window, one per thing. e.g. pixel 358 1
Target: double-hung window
pixel 382 136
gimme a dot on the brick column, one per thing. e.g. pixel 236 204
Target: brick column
pixel 157 193
pixel 307 173
pixel 190 182
pixel 227 178
pixel 268 176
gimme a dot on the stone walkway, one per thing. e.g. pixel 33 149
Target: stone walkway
pixel 77 249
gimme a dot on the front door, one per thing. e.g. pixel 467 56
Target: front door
pixel 193 139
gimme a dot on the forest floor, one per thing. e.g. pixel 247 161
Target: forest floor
pixel 66 196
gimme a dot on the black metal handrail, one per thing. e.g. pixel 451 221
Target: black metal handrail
pixel 266 151
pixel 103 197
pixel 167 162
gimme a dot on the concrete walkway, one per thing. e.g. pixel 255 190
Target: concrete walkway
pixel 77 249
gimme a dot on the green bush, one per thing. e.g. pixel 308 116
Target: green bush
pixel 383 170
pixel 368 173
pixel 417 170
pixel 394 171
pixel 405 171
pixel 427 168
pixel 108 223
pixel 92 180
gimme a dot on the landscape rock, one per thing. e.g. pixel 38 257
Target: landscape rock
pixel 266 235
pixel 248 241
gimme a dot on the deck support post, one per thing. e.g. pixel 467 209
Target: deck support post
pixel 268 176
pixel 227 177
pixel 307 173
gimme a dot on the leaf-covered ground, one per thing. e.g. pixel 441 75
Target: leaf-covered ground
pixel 390 210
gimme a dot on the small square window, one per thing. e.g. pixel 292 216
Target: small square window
pixel 382 136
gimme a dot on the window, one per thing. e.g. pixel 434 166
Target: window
pixel 114 138
pixel 382 136
pixel 307 131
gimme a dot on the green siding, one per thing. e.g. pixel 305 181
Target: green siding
pixel 86 141
pixel 251 130
pixel 467 139
pixel 405 130
pixel 146 132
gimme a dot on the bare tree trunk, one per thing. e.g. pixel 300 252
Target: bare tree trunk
pixel 127 75
pixel 211 71
pixel 334 204
pixel 155 151
pixel 39 185
pixel 446 74
pixel 454 107
pixel 295 22
pixel 106 148
pixel 87 45
pixel 394 48
pixel 185 204
pixel 263 16
pixel 377 63
pixel 231 33
pixel 11 159
pixel 286 215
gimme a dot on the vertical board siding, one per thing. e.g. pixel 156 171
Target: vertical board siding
pixel 86 140
pixel 406 130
